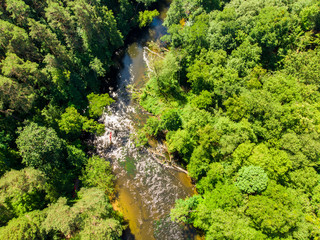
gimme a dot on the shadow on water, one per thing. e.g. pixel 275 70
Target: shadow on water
pixel 146 190
pixel 136 36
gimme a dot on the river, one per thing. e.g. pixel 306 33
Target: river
pixel 146 190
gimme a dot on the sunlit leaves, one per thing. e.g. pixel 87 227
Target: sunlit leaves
pixel 91 216
pixel 97 103
pixel 73 123
pixel 22 191
pixel 40 147
pixel 252 179
pixel 97 173
pixel 27 226
pixel 146 17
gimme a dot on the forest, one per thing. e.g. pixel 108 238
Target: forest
pixel 236 99
pixel 234 95
pixel 54 58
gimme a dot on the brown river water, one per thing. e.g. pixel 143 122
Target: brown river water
pixel 146 190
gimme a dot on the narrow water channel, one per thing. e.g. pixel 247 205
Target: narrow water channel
pixel 146 190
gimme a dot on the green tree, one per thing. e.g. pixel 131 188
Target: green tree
pixel 230 225
pixel 166 74
pixel 23 191
pixel 184 209
pixel 41 148
pixel 199 162
pixel 204 100
pixel 27 226
pixel 146 17
pixel 97 103
pixel 152 126
pixel 19 10
pixel 16 40
pixel 275 162
pixel 310 17
pixel 305 179
pixel 175 13
pixel 97 173
pixel 50 44
pixel 73 123
pixel 15 97
pixel 180 142
pixel 91 216
pixel 275 212
pixel 171 120
pixel 252 179
pixel 146 2
pixel 215 175
pixel 274 30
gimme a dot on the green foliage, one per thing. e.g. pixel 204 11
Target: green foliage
pixel 244 78
pixel 152 126
pixel 14 97
pixel 140 138
pixel 204 212
pixel 27 226
pixel 73 123
pixel 310 17
pixel 252 179
pixel 229 225
pixel 215 175
pixel 315 201
pixel 183 210
pixel 146 17
pixel 275 162
pixel 76 159
pixel 54 55
pixel 181 142
pixel 90 217
pixel 146 2
pixel 97 103
pixel 199 162
pixel 305 179
pixel 203 101
pixel 224 196
pixel 7 155
pixel 171 120
pixel 97 66
pixel 274 212
pixel 41 148
pixel 166 74
pixel 22 191
pixel 6 215
pixel 97 173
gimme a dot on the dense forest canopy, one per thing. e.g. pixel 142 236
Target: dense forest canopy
pixel 54 55
pixel 237 100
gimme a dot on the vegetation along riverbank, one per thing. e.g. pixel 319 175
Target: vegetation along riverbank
pixel 236 99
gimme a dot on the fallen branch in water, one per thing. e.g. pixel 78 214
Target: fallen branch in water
pixel 154 52
pixel 163 162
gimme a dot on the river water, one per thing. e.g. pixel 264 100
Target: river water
pixel 146 190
